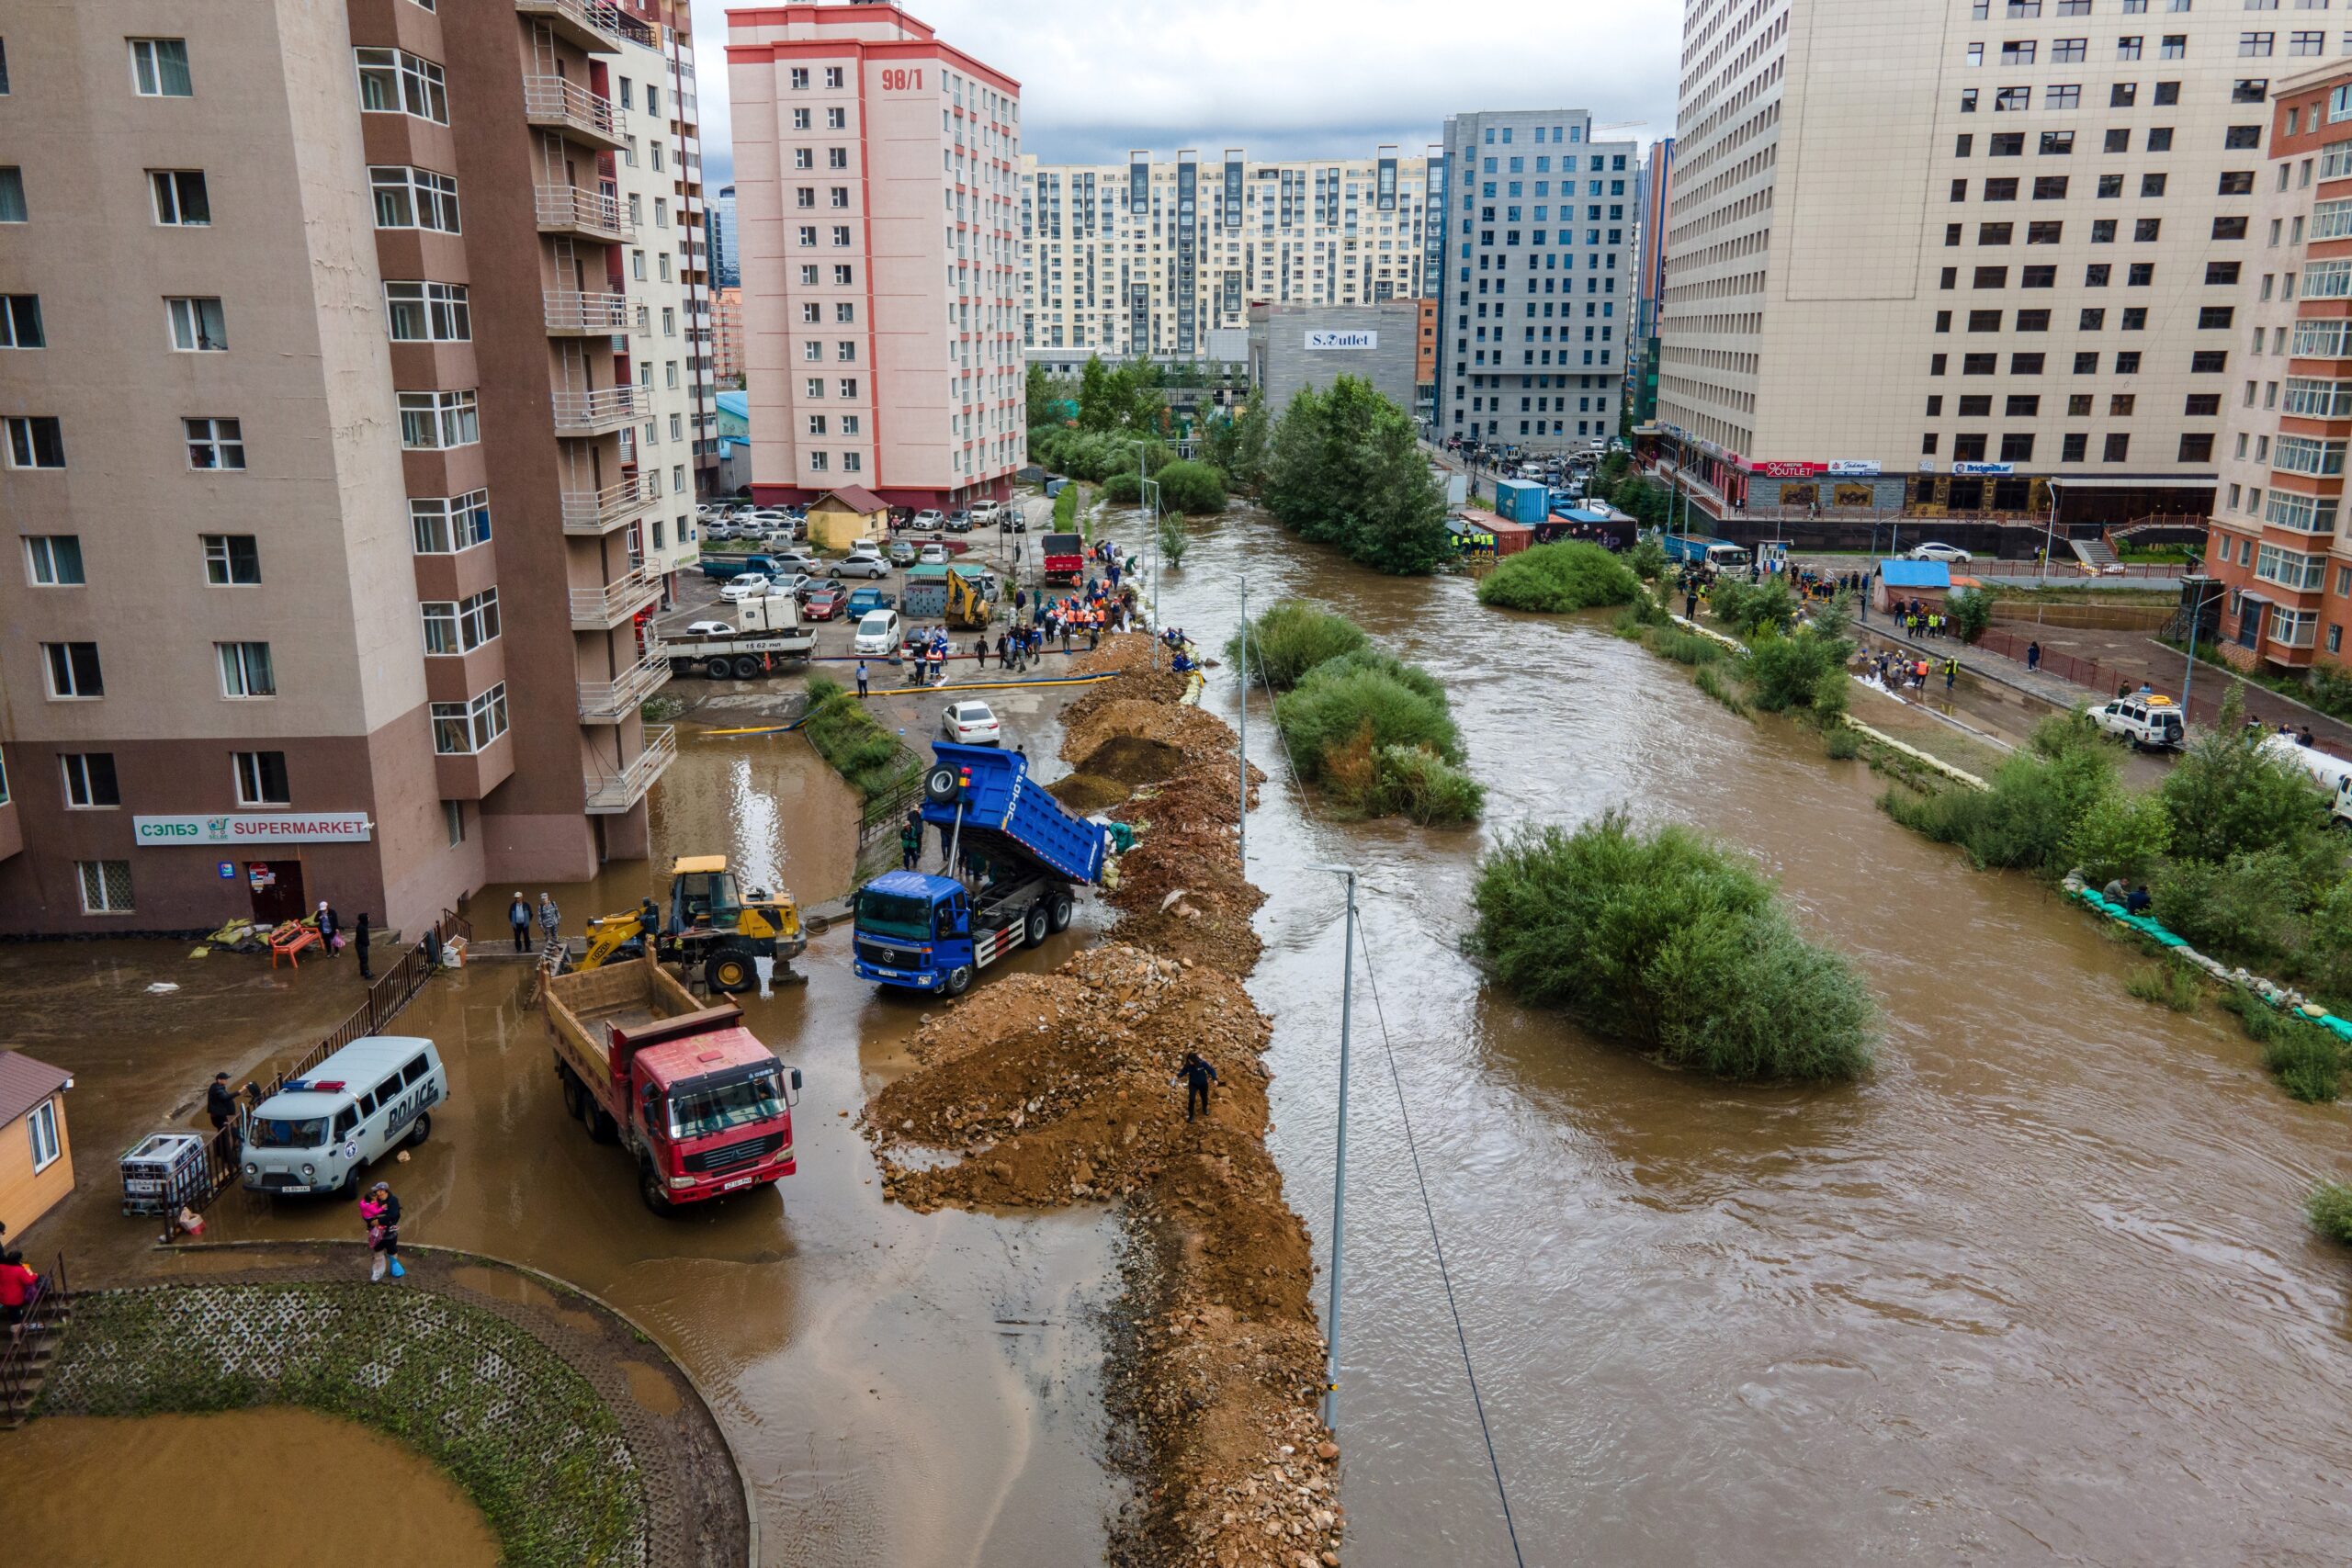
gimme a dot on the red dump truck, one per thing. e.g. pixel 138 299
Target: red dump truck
pixel 1064 557
pixel 686 1090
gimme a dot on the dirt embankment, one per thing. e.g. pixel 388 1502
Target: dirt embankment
pixel 1055 1088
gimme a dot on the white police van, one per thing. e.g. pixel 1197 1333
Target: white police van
pixel 366 1099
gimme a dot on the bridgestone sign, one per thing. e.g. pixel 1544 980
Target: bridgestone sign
pixel 275 828
pixel 1318 341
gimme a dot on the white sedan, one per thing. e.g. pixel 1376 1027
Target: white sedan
pixel 1951 553
pixel 970 724
pixel 751 585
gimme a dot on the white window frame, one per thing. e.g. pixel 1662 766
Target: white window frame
pixel 43 560
pixel 149 58
pixel 253 785
pixel 20 326
pixel 168 194
pixel 221 560
pixel 450 525
pixel 199 324
pixel 78 788
pixel 103 904
pixel 467 728
pixel 417 199
pixel 222 440
pixel 417 86
pixel 438 312
pixel 445 420
pixel 248 673
pixel 62 683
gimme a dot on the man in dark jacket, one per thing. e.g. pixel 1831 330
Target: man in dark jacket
pixel 361 935
pixel 518 914
pixel 383 1211
pixel 1196 1076
pixel 220 1103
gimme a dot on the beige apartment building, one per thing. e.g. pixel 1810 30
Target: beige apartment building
pixel 1967 260
pixel 875 193
pixel 1150 258
pixel 313 424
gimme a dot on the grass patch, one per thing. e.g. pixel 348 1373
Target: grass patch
pixel 1670 942
pixel 2330 1207
pixel 859 749
pixel 1375 733
pixel 2166 985
pixel 2307 1060
pixel 1292 638
pixel 1712 681
pixel 1841 744
pixel 1686 647
pixel 1418 784
pixel 1558 579
pixel 2026 819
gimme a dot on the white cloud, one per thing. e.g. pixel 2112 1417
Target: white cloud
pixel 1292 77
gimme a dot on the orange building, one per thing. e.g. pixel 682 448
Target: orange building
pixel 35 1156
pixel 727 334
pixel 1425 365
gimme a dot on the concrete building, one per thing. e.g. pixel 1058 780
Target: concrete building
pixel 1425 364
pixel 1160 260
pixel 1538 211
pixel 1295 347
pixel 727 337
pixel 2277 549
pixel 1657 172
pixel 668 350
pixel 725 270
pixel 875 192
pixel 324 587
pixel 1967 262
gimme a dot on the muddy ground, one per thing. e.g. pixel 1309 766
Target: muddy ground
pixel 1044 1091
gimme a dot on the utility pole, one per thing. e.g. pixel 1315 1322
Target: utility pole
pixel 1242 821
pixel 2049 535
pixel 1340 1165
pixel 2196 615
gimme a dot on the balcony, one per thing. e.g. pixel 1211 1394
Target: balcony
pixel 599 412
pixel 602 609
pixel 573 314
pixel 558 104
pixel 592 215
pixel 595 512
pixel 615 793
pixel 609 702
pixel 589 25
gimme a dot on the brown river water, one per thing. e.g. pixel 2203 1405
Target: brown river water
pixel 2040 1291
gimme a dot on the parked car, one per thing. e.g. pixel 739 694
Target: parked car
pixel 935 554
pixel 987 511
pixel 877 634
pixel 1932 551
pixel 824 601
pixel 751 585
pixel 2150 723
pixel 902 552
pixel 863 601
pixel 866 563
pixel 959 522
pixel 1014 520
pixel 970 724
pixel 794 561
pixel 930 520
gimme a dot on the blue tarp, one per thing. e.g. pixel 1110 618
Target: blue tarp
pixel 1915 574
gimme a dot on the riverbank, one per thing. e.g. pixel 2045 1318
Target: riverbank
pixel 1054 1089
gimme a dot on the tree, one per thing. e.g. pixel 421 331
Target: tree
pixel 1971 612
pixel 1040 395
pixel 1125 398
pixel 2230 797
pixel 1252 437
pixel 1188 486
pixel 1174 540
pixel 1346 469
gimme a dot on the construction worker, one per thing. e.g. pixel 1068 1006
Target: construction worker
pixel 1952 673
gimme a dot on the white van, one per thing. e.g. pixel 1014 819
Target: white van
pixel 317 1132
pixel 877 633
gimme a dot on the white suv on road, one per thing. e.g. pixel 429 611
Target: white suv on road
pixel 2149 722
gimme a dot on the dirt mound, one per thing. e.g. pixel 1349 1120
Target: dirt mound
pixel 1087 793
pixel 1133 759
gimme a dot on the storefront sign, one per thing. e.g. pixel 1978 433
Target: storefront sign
pixel 1853 468
pixel 1983 468
pixel 1342 340
pixel 280 828
pixel 1789 470
pixel 227 871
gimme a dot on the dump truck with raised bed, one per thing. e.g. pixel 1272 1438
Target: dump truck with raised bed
pixel 1030 853
pixel 685 1091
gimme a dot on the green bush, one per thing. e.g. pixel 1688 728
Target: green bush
pixel 1749 608
pixel 1710 680
pixel 1292 638
pixel 1345 467
pixel 846 735
pixel 1123 489
pixel 1971 613
pixel 2227 795
pixel 1321 715
pixel 1422 786
pixel 1647 558
pixel 1380 660
pixel 1805 672
pixel 2331 691
pixel 1669 943
pixel 2306 1059
pixel 2119 834
pixel 1187 485
pixel 2037 800
pixel 1066 510
pixel 1688 648
pixel 2167 985
pixel 1841 744
pixel 1174 540
pixel 1557 578
pixel 2248 907
pixel 2330 1207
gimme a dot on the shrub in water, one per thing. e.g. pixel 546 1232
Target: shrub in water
pixel 1806 671
pixel 1425 788
pixel 1688 648
pixel 1647 558
pixel 1294 638
pixel 1188 486
pixel 2167 985
pixel 2120 834
pixel 2025 821
pixel 1670 942
pixel 2228 796
pixel 1323 713
pixel 2330 1207
pixel 1710 680
pixel 2247 905
pixel 1748 608
pixel 1557 578
pixel 1382 662
pixel 1842 743
pixel 2305 1059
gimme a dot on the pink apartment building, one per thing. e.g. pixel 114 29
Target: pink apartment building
pixel 876 185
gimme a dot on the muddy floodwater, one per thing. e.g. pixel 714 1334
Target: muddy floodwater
pixel 2040 1291
pixel 243 1489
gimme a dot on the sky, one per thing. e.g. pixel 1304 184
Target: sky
pixel 1281 78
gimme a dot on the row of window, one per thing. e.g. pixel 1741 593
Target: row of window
pixel 2119 95
pixel 2055 188
pixel 54 560
pixel 2061 144
pixel 2091 319
pixel 2052 231
pixel 2202 362
pixel 2128 46
pixel 72 672
pixel 2074 446
pixel 90 783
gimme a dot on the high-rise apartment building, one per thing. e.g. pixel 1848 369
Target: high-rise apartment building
pixel 1978 260
pixel 875 187
pixel 668 349
pixel 2277 551
pixel 725 270
pixel 1657 173
pixel 1147 259
pixel 727 336
pixel 322 586
pixel 1535 303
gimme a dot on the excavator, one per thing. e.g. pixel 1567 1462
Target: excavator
pixel 712 925
pixel 968 609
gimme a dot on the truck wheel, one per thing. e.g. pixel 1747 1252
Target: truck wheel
pixel 730 973
pixel 718 669
pixel 1058 912
pixel 572 1095
pixel 747 668
pixel 1037 924
pixel 958 981
pixel 939 786
pixel 601 1126
pixel 422 1130
pixel 649 1187
pixel 350 1188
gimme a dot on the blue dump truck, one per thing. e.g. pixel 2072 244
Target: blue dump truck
pixel 1720 554
pixel 933 933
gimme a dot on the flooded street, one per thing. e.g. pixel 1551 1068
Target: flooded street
pixel 2040 1290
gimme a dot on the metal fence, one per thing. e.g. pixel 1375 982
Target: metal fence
pixel 883 812
pixel 17 1355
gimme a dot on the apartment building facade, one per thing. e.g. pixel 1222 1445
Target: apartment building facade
pixel 725 270
pixel 2276 553
pixel 1657 173
pixel 1161 259
pixel 1536 305
pixel 727 337
pixel 321 587
pixel 1978 262
pixel 876 187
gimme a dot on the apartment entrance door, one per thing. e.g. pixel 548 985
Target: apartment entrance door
pixel 276 887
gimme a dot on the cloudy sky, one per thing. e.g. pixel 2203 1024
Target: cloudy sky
pixel 1283 78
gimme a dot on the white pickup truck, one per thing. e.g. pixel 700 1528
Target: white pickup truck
pixel 762 634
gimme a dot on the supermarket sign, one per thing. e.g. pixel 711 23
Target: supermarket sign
pixel 256 827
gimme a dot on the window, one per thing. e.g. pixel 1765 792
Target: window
pixel 2016 448
pixel 1976 406
pixel 35 441
pixel 1980 364
pixel 2228 227
pixel 2328 339
pixel 2328 280
pixel 428 312
pixel 159 68
pixel 2160 138
pixel 1984 321
pixel 2237 182
pixel 2043 232
pixel 2208 362
pixel 2145 229
pixel 2033 320
pixel 2303 514
pixel 414 199
pixel 2126 47
pixel 2168 92
pixel 2020 53
pixel 72 669
pixel 462 729
pixel 453 821
pixel 230 559
pixel 261 778
pixel 1968 448
pixel 2203 404
pixel 2063 95
pixel 2001 190
pixel 180 198
pixel 214 443
pixel 2006 145
pixel 2092 319
pixel 2050 188
pixel 2025 364
pixel 837 120
pixel 444 526
pixel 2074 446
pixel 2008 99
pixel 2057 143
pixel 54 561
pixel 430 420
pixel 89 780
pixel 246 670
pixel 105 887
pixel 196 326
pixel 2250 89
pixel 2066 50
pixel 2117 448
pixel 20 322
pixel 2256 45
pixel 12 194
pixel 2135 318
pixel 394 82
pixel 460 625
pixel 1993 233
pixel 41 1126
pixel 2173 47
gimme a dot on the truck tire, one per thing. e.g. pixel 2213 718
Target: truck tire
pixel 1059 911
pixel 730 972
pixel 572 1094
pixel 939 784
pixel 601 1128
pixel 350 1188
pixel 747 668
pixel 649 1187
pixel 958 981
pixel 1036 924
pixel 422 1130
pixel 718 669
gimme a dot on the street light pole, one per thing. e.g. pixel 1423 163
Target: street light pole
pixel 1241 819
pixel 2196 615
pixel 2049 535
pixel 1340 1163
